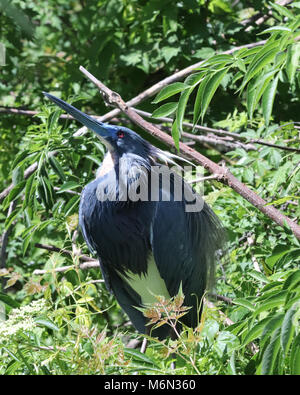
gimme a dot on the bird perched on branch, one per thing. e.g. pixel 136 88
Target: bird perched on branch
pixel 153 235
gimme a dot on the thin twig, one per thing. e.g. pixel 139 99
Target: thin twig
pixel 19 111
pixel 82 266
pixel 215 141
pixel 83 258
pixel 68 191
pixel 234 136
pixel 202 179
pixel 283 147
pixel 88 262
pixel 222 298
pixel 251 242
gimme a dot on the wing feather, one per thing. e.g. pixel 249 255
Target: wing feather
pixel 184 246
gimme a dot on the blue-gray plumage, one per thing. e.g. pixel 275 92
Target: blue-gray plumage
pixel 149 246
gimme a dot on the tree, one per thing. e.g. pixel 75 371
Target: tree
pixel 242 106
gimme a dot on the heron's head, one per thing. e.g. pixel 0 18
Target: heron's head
pixel 118 139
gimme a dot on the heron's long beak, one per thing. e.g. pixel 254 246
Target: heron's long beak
pixel 100 128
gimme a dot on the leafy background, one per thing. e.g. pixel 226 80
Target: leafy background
pixel 66 322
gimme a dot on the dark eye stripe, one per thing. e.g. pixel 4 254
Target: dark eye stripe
pixel 120 134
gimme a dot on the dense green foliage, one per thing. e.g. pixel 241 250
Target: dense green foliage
pixel 65 322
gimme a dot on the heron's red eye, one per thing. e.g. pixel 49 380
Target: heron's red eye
pixel 120 134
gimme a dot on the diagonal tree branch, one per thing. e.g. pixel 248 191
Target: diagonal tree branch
pixel 179 75
pixel 223 174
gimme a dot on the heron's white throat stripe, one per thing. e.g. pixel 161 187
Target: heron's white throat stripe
pixel 106 166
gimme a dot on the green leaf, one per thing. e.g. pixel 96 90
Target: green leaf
pixel 198 101
pixel 165 110
pixel 288 329
pixel 255 331
pixel 67 186
pixel 268 99
pixel 217 60
pixel 247 53
pixel 9 352
pixel 210 89
pixel 244 303
pixel 169 52
pixel 9 300
pixel 48 190
pixel 170 90
pixel 225 342
pixel 258 276
pixel 181 107
pixel 29 189
pixel 14 194
pixel 53 119
pixel 241 65
pixel 293 54
pixel 9 220
pixel 71 204
pixel 276 300
pixel 295 356
pixel 282 10
pixel 282 200
pixel 204 53
pixel 276 29
pixel 57 168
pixel 94 159
pixel 279 251
pixel 255 90
pixel 258 63
pixel 292 280
pixel 20 156
pixel 175 134
pixel 26 242
pixel 270 354
pixel 138 356
pixel 44 321
pixel 271 325
pixel 194 78
pixel 237 77
pixel 248 175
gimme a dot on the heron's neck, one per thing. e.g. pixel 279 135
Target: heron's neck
pixel 122 176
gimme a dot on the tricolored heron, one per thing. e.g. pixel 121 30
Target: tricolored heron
pixel 150 246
